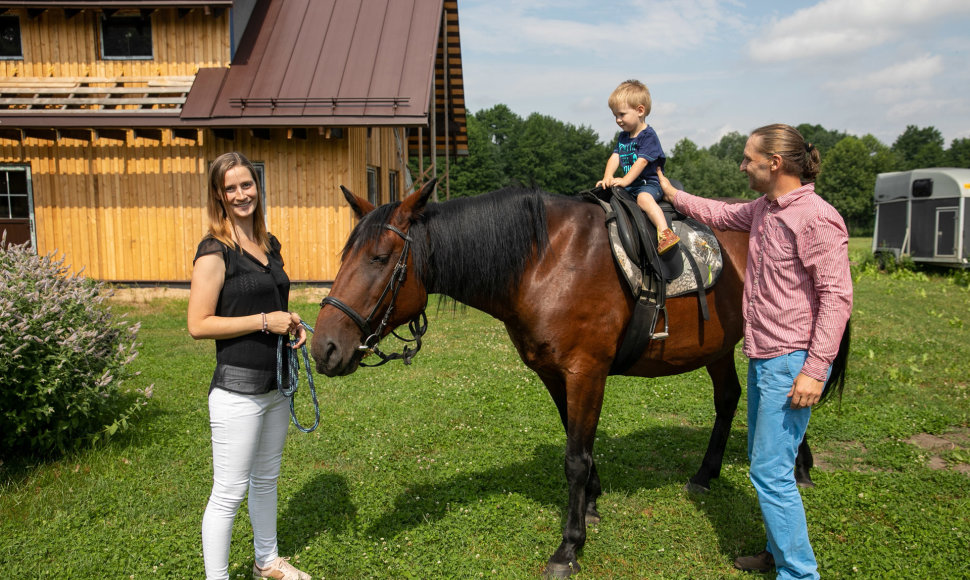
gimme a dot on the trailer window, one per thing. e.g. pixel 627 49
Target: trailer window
pixel 922 187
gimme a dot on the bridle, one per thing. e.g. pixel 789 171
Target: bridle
pixel 417 325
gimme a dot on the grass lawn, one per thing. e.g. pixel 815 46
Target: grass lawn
pixel 452 467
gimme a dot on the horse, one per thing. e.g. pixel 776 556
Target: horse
pixel 540 263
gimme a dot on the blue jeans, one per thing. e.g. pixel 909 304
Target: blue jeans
pixel 774 432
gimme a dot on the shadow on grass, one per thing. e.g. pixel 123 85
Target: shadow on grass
pixel 734 516
pixel 321 506
pixel 647 459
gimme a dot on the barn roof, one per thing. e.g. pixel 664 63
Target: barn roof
pixel 300 63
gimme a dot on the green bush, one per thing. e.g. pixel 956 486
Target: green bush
pixel 64 358
pixel 867 263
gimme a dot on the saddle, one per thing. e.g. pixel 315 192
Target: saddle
pixel 653 278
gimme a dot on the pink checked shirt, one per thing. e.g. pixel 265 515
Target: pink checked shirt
pixel 797 286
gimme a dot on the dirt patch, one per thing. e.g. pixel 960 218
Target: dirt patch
pixel 937 445
pixel 146 295
pixel 931 442
pixel 850 455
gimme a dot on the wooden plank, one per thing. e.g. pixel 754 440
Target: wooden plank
pixel 79 101
pixel 75 90
pixel 110 212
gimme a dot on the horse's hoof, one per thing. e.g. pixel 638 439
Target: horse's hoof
pixel 592 517
pixel 806 483
pixel 557 570
pixel 692 487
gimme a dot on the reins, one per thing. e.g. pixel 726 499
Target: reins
pixel 289 390
pixel 371 338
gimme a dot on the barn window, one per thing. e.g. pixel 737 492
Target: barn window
pixel 922 187
pixel 373 186
pixel 392 189
pixel 126 37
pixel 16 208
pixel 14 195
pixel 10 46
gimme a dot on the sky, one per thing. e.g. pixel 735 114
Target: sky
pixel 716 66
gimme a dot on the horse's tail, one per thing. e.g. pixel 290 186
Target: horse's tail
pixel 836 381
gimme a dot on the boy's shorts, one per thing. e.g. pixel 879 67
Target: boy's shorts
pixel 652 188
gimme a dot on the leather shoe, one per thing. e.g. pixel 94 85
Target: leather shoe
pixel 762 562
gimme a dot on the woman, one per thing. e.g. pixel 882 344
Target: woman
pixel 239 298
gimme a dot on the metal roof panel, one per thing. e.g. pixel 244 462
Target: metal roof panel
pixel 336 58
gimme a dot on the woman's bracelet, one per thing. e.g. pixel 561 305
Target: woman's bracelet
pixel 265 326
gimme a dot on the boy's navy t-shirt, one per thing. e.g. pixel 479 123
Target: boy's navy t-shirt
pixel 646 145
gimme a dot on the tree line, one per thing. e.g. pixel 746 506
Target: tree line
pixel 539 151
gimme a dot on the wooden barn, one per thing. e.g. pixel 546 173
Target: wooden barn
pixel 112 111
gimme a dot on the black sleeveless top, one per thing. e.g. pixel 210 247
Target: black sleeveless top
pixel 249 288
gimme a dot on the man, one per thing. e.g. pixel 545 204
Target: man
pixel 797 300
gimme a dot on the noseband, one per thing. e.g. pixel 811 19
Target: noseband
pixel 417 325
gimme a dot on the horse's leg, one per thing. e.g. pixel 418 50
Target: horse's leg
pixel 804 462
pixel 579 420
pixel 593 491
pixel 727 392
pixel 593 487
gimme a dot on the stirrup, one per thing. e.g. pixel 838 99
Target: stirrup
pixel 665 334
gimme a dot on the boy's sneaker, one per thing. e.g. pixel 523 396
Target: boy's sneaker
pixel 666 240
pixel 280 569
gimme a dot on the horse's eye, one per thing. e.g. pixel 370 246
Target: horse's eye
pixel 382 259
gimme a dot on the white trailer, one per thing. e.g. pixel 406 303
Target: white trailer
pixel 924 214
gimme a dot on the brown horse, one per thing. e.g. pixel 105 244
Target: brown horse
pixel 541 264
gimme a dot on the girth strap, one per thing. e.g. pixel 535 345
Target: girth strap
pixel 701 292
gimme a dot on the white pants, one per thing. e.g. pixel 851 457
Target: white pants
pixel 248 433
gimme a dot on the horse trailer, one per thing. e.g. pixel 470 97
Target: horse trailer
pixel 924 214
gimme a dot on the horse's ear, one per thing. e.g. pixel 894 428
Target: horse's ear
pixel 414 204
pixel 360 206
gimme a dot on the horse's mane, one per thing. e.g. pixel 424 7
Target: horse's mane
pixel 470 247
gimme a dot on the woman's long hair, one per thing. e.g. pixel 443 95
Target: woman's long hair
pixel 221 220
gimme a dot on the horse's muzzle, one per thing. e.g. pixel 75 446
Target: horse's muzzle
pixel 332 360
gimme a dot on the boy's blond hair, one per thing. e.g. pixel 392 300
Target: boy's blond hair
pixel 631 93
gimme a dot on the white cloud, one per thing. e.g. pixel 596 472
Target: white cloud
pixel 925 110
pixel 513 26
pixel 909 74
pixel 841 27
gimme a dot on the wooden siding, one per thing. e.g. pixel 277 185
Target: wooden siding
pixel 57 46
pixel 135 210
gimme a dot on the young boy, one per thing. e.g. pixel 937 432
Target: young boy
pixel 639 154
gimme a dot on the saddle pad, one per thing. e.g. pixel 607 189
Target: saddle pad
pixel 699 240
pixel 695 238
